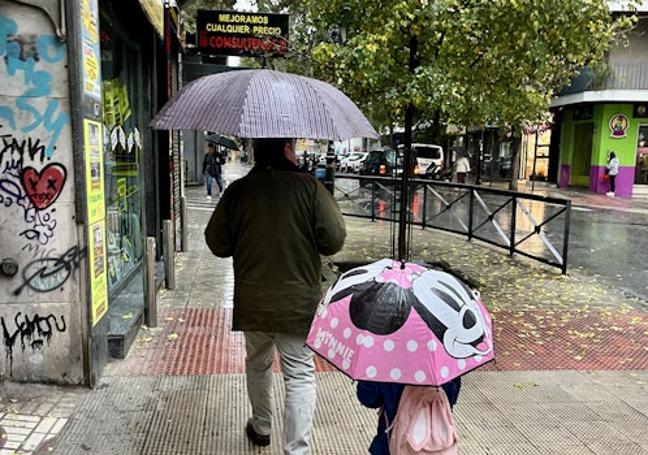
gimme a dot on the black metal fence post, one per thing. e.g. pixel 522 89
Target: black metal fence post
pixel 373 200
pixel 424 206
pixel 513 225
pixel 566 237
pixel 470 214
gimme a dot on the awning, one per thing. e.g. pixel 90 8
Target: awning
pixel 154 10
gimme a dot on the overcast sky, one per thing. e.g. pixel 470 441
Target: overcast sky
pixel 243 5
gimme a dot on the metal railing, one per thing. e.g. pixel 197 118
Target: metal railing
pixel 527 224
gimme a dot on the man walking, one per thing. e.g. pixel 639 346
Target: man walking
pixel 212 169
pixel 276 222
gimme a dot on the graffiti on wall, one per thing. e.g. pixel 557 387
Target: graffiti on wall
pixel 22 53
pixel 32 332
pixel 52 272
pixel 32 120
pixel 32 191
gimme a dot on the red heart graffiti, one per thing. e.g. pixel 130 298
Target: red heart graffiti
pixel 44 187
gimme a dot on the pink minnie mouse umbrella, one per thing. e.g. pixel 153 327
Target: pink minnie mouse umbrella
pixel 409 325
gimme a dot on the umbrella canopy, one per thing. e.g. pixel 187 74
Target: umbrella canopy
pixel 264 104
pixel 222 140
pixel 390 322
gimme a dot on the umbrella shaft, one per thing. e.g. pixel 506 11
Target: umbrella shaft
pixel 403 247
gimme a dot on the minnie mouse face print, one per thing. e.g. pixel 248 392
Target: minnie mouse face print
pixel 450 310
pixel 384 293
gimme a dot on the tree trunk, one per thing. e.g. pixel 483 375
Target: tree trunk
pixel 403 247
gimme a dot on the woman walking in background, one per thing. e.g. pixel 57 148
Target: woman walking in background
pixel 612 170
pixel 462 167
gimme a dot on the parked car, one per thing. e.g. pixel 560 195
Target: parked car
pixel 379 163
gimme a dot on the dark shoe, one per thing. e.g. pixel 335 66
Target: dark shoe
pixel 256 438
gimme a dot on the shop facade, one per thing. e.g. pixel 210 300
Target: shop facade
pixel 601 112
pixel 82 183
pixel 591 132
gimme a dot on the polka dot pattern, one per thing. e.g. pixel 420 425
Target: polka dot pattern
pixel 395 374
pixel 403 356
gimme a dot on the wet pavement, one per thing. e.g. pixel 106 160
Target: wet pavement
pixel 571 375
pixel 612 245
pixel 608 237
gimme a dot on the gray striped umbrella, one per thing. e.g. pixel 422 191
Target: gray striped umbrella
pixel 264 103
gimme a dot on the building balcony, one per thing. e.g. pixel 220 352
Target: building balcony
pixel 620 82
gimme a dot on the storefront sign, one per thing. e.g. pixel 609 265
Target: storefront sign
pixel 154 10
pixel 91 54
pixel 98 282
pixel 243 34
pixel 619 124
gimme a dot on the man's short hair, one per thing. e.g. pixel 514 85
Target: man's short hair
pixel 270 151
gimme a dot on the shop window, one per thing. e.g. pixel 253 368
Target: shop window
pixel 122 148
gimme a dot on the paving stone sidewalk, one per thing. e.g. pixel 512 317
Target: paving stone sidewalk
pixel 571 375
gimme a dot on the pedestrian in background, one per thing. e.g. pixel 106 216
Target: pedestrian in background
pixel 612 170
pixel 275 222
pixel 212 169
pixel 462 167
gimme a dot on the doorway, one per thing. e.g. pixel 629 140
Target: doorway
pixel 582 161
pixel 641 167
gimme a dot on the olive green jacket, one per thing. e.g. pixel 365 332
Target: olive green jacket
pixel 276 223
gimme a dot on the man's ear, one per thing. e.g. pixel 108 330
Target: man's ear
pixel 289 151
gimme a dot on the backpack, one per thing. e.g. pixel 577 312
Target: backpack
pixel 423 424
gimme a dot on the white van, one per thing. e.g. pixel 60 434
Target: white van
pixel 426 155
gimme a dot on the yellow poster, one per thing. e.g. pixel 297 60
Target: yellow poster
pixel 98 281
pixel 94 170
pixel 91 54
pixel 93 141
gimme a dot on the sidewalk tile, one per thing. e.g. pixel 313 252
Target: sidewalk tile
pixel 615 449
pixel 44 409
pixel 17 430
pixel 13 445
pixel 512 449
pixel 45 426
pixel 18 424
pixel 32 442
pixel 564 450
pixel 24 418
pixel 17 437
pixel 588 431
pixel 58 426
